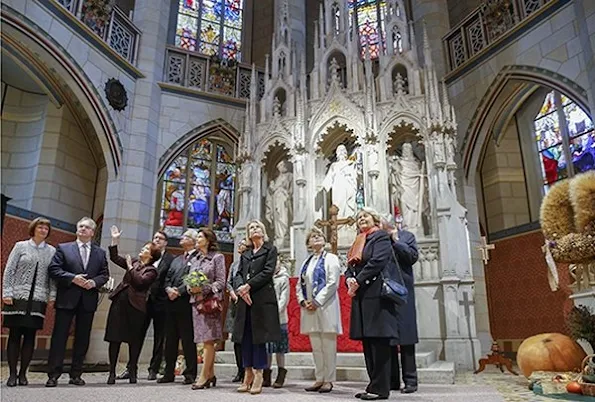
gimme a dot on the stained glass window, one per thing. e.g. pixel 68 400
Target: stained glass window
pixel 563 133
pixel 369 16
pixel 211 27
pixel 198 190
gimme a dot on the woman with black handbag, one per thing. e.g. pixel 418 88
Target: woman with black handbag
pixel 207 302
pixel 374 314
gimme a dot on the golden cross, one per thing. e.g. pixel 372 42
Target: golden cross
pixel 333 224
pixel 485 248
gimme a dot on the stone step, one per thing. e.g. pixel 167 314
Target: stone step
pixel 300 359
pixel 439 372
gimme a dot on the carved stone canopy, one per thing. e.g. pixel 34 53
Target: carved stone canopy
pixel 335 135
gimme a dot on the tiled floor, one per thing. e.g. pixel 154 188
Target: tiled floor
pixel 489 386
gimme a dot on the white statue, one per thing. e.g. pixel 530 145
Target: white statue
pixel 408 189
pixel 279 201
pixel 450 150
pixel 341 178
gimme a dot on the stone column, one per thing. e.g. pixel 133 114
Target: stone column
pixel 130 197
pixel 586 33
pixel 297 17
pixel 435 15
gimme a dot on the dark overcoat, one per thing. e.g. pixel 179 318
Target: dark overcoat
pixel 257 269
pixel 371 315
pixel 406 252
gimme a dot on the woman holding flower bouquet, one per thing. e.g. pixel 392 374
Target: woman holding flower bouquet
pixel 127 312
pixel 206 283
pixel 257 315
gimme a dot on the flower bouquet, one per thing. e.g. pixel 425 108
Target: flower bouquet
pixel 195 280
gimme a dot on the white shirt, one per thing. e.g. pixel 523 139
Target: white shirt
pixel 80 246
pixel 156 263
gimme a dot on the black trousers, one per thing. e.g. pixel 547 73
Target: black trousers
pixel 158 318
pixel 179 326
pixel 408 367
pixel 82 334
pixel 378 362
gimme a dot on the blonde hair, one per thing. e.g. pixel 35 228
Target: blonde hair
pixel 372 212
pixel 261 226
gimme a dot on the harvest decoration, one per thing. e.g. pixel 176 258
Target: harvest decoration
pixel 549 352
pixel 567 219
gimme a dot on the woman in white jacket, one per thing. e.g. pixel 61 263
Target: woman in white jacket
pixel 317 293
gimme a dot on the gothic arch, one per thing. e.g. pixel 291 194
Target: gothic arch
pixel 282 138
pixel 219 126
pixel 402 118
pixel 321 131
pixel 504 92
pixel 64 79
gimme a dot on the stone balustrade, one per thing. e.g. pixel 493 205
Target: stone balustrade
pixel 110 23
pixel 487 26
pixel 199 72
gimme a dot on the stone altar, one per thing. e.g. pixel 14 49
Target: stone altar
pixel 374 116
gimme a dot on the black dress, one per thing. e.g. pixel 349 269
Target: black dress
pixel 27 320
pixel 124 321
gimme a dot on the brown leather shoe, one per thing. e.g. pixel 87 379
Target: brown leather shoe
pixel 314 388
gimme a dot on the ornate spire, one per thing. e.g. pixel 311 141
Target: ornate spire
pixel 426 44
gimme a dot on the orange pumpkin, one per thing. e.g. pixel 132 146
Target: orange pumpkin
pixel 549 352
pixel 574 387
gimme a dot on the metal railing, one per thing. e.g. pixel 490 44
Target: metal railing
pixel 110 23
pixel 197 71
pixel 484 26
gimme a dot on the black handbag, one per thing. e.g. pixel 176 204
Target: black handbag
pixel 394 290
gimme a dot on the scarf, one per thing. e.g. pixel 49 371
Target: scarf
pixel 318 277
pixel 355 253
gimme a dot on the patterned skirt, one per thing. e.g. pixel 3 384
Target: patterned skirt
pixel 281 346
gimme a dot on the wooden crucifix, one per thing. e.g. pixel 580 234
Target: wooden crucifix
pixel 333 224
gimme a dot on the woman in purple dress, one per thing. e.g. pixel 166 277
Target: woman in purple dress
pixel 208 328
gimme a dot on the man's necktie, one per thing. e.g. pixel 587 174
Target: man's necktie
pixel 84 255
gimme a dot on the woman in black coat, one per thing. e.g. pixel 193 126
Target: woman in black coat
pixel 257 314
pixel 374 320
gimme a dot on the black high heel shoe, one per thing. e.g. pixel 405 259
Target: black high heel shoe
pixel 12 381
pixel 213 381
pixel 206 384
pixel 23 380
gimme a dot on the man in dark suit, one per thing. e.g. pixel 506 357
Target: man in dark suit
pixel 80 269
pixel 156 309
pixel 179 313
pixel 405 248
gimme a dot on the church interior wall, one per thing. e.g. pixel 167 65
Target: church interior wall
pixel 504 186
pixel 458 10
pixel 66 180
pixel 554 45
pixel 181 115
pixel 262 30
pixel 23 121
